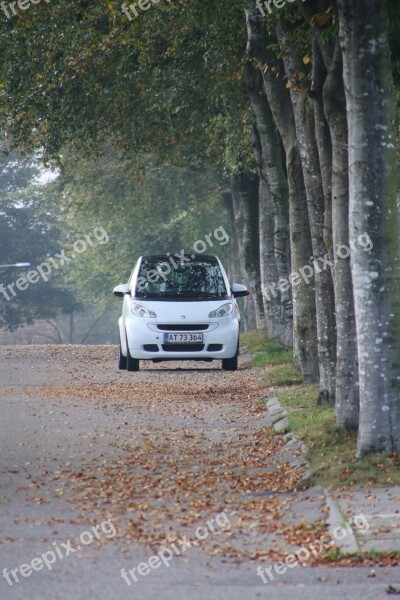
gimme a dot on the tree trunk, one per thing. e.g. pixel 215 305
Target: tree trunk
pixel 248 313
pixel 233 267
pixel 85 337
pixel 334 106
pixel 235 262
pixel 304 318
pixel 268 267
pixel 324 143
pixel 347 391
pixel 274 213
pixel 71 328
pixel 273 170
pixel 245 187
pixel 324 294
pixel 371 114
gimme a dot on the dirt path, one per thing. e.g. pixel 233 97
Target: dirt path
pixel 175 454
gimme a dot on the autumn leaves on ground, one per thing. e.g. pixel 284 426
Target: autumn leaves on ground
pixel 181 443
pixel 187 441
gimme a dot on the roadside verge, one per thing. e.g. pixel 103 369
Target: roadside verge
pixel 326 455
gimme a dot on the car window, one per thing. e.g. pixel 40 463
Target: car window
pixel 195 279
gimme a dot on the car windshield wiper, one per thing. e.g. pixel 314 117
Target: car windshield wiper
pixel 206 294
pixel 144 296
pixel 182 294
pixel 163 295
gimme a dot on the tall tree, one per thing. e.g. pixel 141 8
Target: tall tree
pixel 245 190
pixel 304 118
pixel 304 312
pixel 371 113
pixel 274 194
pixel 329 100
pixel 268 266
pixel 347 389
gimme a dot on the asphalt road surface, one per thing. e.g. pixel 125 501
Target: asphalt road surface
pixel 158 484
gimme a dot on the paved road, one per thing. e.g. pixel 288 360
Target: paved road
pixel 172 464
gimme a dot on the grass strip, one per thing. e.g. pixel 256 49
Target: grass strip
pixel 331 450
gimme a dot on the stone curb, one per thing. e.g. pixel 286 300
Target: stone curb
pixel 349 544
pixel 276 416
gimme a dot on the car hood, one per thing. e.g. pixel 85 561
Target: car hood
pixel 183 312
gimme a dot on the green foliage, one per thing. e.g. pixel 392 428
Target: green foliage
pixel 265 351
pixel 281 375
pixel 255 341
pixel 15 173
pixel 82 74
pixel 28 234
pixel 261 359
pixel 168 209
pixel 331 450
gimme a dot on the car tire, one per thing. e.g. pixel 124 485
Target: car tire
pixel 122 362
pixel 231 364
pixel 132 364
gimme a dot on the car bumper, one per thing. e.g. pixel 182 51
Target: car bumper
pixel 145 341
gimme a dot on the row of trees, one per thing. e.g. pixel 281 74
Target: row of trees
pixel 338 129
pixel 39 220
pixel 291 112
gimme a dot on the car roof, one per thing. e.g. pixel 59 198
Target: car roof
pixel 193 257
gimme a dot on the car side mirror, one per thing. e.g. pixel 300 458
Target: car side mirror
pixel 121 290
pixel 238 290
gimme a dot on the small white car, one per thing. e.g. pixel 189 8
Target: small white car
pixel 179 308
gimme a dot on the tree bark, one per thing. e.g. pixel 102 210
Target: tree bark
pixel 304 316
pixel 304 118
pixel 245 188
pixel 234 271
pixel 71 328
pixel 248 313
pixel 332 98
pixel 274 180
pixel 347 391
pixel 268 267
pixel 371 114
pixel 324 143
pixel 235 267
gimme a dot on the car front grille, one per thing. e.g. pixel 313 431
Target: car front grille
pixel 179 327
pixel 183 347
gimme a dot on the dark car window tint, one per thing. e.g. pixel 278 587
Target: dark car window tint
pixel 158 278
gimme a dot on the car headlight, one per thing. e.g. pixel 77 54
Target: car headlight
pixel 222 311
pixel 140 311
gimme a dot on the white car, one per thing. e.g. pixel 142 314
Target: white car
pixel 179 308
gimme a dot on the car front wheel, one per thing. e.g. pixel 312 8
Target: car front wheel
pixel 231 364
pixel 132 364
pixel 122 362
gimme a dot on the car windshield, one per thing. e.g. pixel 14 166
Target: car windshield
pixel 163 278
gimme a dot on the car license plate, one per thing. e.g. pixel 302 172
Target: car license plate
pixel 183 338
